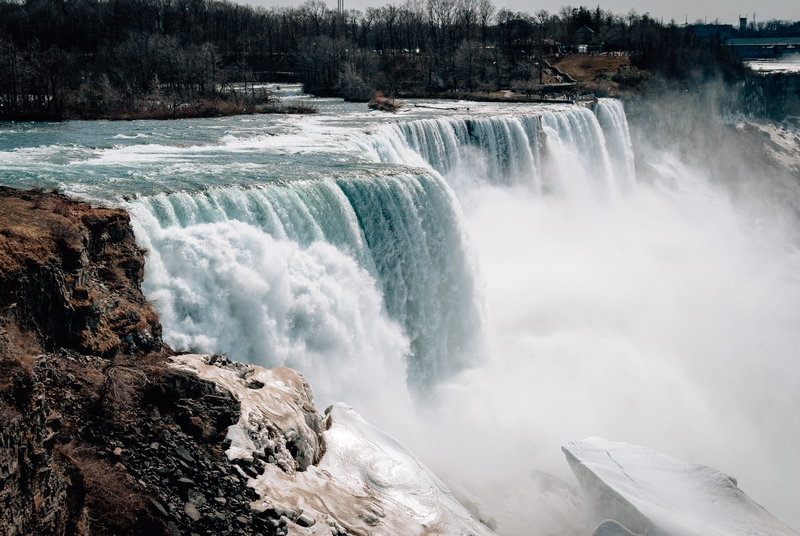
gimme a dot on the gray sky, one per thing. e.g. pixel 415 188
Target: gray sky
pixel 725 11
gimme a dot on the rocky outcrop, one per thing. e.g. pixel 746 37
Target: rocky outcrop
pixel 337 475
pixel 98 434
pixel 72 274
pixel 38 492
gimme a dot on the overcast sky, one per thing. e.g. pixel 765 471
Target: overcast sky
pixel 725 11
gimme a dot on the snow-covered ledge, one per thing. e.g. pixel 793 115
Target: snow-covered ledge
pixel 650 493
pixel 336 474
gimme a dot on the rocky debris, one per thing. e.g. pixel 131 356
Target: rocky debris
pixel 365 482
pixel 382 103
pixel 278 425
pixel 38 494
pixel 305 520
pixel 171 475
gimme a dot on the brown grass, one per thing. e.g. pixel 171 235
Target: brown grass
pixel 62 206
pixel 17 349
pixel 66 231
pixel 122 388
pixel 302 108
pixel 584 67
pixel 25 234
pixel 30 221
pixel 222 105
pixel 8 415
pixel 114 506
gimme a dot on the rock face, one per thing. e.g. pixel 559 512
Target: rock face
pixel 647 492
pixel 38 492
pixel 72 274
pixel 98 434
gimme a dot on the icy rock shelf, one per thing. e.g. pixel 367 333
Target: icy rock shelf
pixel 337 474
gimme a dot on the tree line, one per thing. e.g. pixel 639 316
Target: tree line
pixel 82 58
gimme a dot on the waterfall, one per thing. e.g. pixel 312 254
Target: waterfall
pixel 310 273
pixel 611 116
pixel 416 240
pixel 269 274
pixel 544 150
pixel 482 284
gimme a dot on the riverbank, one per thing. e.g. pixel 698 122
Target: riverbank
pixel 161 109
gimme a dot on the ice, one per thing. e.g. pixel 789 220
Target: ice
pixel 412 499
pixel 648 492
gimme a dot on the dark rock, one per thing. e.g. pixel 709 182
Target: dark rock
pixel 159 507
pixel 184 454
pixel 305 520
pixel 192 512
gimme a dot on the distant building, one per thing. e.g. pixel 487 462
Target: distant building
pixel 584 35
pixel 742 24
pixel 764 47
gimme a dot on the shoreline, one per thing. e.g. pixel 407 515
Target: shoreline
pixel 307 108
pixel 195 110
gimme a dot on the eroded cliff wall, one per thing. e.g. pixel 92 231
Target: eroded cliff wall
pixel 98 435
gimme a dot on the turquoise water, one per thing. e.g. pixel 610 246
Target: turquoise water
pixel 111 161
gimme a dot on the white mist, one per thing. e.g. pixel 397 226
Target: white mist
pixel 659 316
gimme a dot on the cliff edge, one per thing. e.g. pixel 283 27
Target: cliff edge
pixel 98 434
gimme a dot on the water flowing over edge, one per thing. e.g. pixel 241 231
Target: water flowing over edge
pixel 254 272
